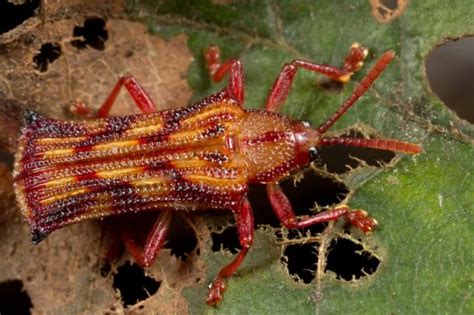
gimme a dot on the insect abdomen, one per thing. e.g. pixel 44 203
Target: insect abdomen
pixel 70 171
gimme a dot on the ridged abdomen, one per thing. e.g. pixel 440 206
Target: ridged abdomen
pixel 70 171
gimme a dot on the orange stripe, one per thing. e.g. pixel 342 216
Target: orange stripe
pixel 212 181
pixel 64 195
pixel 120 172
pixel 215 110
pixel 46 141
pixel 116 144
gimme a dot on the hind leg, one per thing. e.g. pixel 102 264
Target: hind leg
pixel 155 240
pixel 136 91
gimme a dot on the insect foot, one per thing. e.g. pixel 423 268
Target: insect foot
pixel 217 288
pixel 355 59
pixel 361 220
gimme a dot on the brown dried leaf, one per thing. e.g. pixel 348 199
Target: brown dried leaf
pixel 89 74
pixel 62 274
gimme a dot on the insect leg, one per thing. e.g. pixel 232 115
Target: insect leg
pixel 281 86
pixel 235 88
pixel 355 58
pixel 154 242
pixel 136 91
pixel 245 227
pixel 282 208
pixel 360 90
pixel 213 60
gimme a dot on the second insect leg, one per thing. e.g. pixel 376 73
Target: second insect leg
pixel 245 227
pixel 155 241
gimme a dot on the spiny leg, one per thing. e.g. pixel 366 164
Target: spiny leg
pixel 136 91
pixel 235 88
pixel 245 227
pixel 284 211
pixel 155 240
pixel 281 87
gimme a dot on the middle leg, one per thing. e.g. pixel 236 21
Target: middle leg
pixel 282 208
pixel 245 227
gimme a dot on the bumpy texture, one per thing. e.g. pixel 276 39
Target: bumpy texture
pixel 66 172
pixel 202 156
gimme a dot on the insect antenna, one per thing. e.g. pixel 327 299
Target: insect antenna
pixel 364 85
pixel 381 144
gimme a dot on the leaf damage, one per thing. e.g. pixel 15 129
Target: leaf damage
pixel 385 11
pixel 41 69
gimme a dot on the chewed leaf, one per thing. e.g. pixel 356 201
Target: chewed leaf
pixel 418 261
pixel 422 213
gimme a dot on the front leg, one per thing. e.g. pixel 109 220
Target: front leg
pixel 283 210
pixel 281 87
pixel 245 228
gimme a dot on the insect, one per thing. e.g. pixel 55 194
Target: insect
pixel 202 156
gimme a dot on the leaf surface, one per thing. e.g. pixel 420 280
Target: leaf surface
pixel 423 203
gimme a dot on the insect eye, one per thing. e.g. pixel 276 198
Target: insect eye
pixel 306 123
pixel 313 153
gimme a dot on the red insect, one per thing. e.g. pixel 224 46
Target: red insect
pixel 198 157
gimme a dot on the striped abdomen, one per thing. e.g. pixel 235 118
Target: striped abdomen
pixel 184 159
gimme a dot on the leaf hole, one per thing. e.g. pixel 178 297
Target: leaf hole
pixel 390 4
pixel 227 240
pixel 349 260
pixel 301 262
pixel 313 189
pixel 13 15
pixel 132 283
pixel 450 72
pixel 93 33
pixel 13 298
pixel 181 238
pixel 340 159
pixel 386 11
pixel 48 53
pixel 262 210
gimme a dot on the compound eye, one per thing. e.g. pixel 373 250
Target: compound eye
pixel 305 123
pixel 313 153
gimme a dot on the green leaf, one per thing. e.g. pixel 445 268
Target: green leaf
pixel 423 203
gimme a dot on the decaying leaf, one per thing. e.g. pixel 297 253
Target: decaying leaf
pixel 388 10
pixel 423 203
pixel 88 74
pixel 46 69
